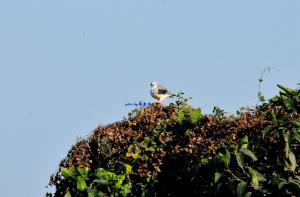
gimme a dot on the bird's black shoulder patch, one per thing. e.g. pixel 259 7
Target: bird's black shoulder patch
pixel 161 91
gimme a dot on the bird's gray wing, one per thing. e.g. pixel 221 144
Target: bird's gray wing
pixel 161 89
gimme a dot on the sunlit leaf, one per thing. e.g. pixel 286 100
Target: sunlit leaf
pixel 286 90
pixel 240 160
pixel 254 178
pixel 67 172
pixel 103 181
pixel 128 169
pixel 101 172
pixel 196 115
pixel 292 159
pixel 83 171
pixel 234 147
pixel 81 184
pixel 135 156
pixel 217 177
pixel 120 180
pixel 180 115
pixel 244 142
pixel 226 158
pixel 125 189
pixel 68 194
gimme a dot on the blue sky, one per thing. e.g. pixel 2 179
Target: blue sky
pixel 68 66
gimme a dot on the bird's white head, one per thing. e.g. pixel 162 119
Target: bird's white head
pixel 153 84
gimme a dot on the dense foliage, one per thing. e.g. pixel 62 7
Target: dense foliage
pixel 177 151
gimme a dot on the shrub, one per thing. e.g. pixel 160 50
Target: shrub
pixel 177 151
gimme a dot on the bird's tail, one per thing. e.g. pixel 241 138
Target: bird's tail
pixel 171 95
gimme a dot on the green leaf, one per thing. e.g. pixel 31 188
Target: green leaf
pixel 240 190
pixel 234 147
pixel 254 178
pixel 281 184
pixel 105 177
pixel 196 115
pixel 67 172
pixel 135 156
pixel 83 172
pixel 128 169
pixel 120 180
pixel 218 188
pixel 292 159
pixel 125 189
pixel 240 160
pixel 81 185
pixel 91 192
pixel 205 161
pixel 288 104
pixel 261 177
pixel 101 172
pixel 180 115
pixel 274 116
pixel 244 142
pixel 295 183
pixel 249 153
pixel 297 135
pixel 267 130
pixel 297 122
pixel 226 158
pixel 68 194
pixel 217 177
pixel 286 90
pixel 286 136
pixel 248 194
pixel 103 181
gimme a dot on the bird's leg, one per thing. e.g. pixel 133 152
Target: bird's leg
pixel 157 101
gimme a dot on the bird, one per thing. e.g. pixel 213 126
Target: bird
pixel 159 92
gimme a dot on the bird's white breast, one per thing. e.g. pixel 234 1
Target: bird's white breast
pixel 153 93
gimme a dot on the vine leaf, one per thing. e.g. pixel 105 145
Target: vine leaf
pixel 81 184
pixel 240 190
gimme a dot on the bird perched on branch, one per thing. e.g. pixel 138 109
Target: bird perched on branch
pixel 159 92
